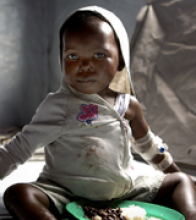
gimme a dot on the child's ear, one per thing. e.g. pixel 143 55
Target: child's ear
pixel 121 64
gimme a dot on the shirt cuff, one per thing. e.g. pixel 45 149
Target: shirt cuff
pixel 7 163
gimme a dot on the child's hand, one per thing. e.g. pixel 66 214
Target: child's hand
pixel 172 168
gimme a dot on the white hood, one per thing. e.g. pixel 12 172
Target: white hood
pixel 122 81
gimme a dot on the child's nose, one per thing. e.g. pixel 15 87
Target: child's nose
pixel 86 66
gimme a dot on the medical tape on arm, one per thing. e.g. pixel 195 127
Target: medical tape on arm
pixel 149 147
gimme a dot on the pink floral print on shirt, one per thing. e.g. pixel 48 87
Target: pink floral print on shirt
pixel 88 113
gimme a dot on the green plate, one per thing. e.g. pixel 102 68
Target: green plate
pixel 75 208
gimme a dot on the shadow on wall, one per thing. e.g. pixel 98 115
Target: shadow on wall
pixel 164 75
pixel 23 59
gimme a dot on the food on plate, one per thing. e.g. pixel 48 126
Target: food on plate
pixel 134 213
pixel 130 213
pixel 152 218
pixel 103 213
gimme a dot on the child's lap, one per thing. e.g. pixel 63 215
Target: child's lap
pixel 59 195
pixel 145 189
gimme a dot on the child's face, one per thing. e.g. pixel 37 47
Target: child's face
pixel 90 57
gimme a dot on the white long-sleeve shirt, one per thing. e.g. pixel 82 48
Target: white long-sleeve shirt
pixel 86 143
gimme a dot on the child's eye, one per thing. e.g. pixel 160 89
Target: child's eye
pixel 99 56
pixel 72 56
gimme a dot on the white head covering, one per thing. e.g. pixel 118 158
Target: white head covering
pixel 122 80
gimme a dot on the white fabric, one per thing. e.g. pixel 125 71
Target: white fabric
pixel 122 103
pixel 6 161
pixel 66 139
pixel 149 147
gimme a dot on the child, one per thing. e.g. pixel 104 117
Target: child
pixel 84 127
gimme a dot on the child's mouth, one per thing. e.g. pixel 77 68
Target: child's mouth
pixel 86 81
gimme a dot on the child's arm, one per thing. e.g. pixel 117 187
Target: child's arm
pixel 44 128
pixel 146 143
